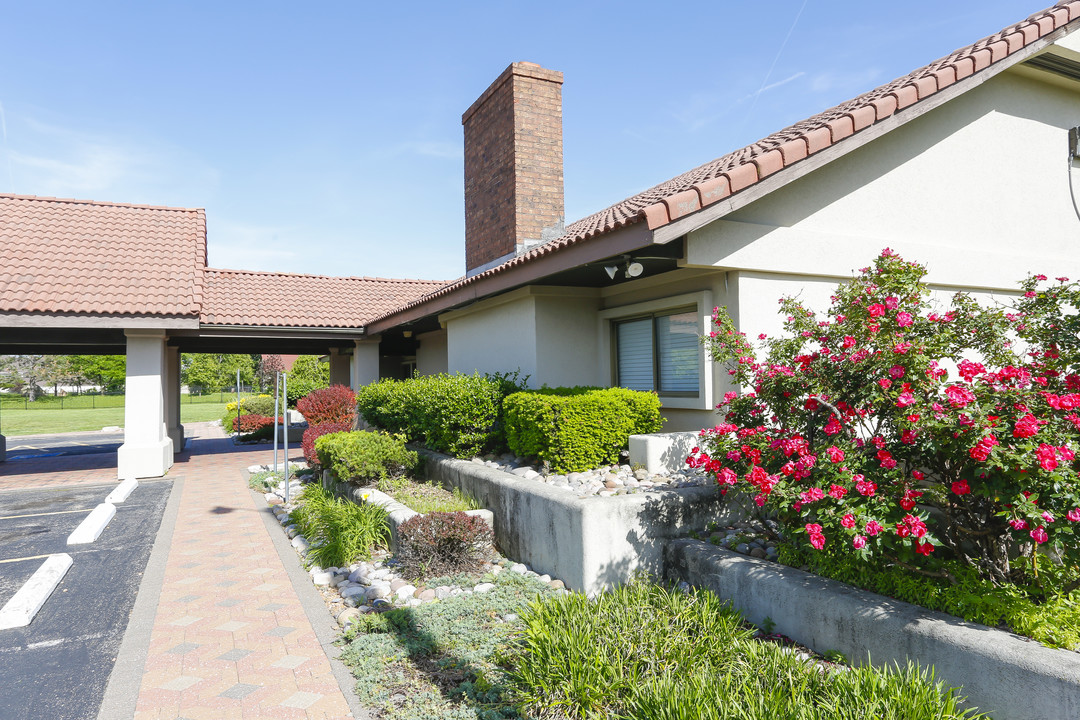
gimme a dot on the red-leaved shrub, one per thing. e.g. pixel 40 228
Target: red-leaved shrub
pixel 441 543
pixel 253 423
pixel 334 404
pixel 314 432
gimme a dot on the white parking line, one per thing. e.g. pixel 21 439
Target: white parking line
pixel 24 605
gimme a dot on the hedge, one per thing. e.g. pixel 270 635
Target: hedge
pixel 365 456
pixel 460 415
pixel 578 429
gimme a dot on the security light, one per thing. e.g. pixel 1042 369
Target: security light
pixel 611 270
pixel 634 269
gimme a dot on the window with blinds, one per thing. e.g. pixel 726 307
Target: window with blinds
pixel 659 352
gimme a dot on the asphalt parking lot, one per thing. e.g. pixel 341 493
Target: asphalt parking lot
pixel 58 666
pixel 34 446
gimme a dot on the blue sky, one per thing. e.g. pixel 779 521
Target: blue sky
pixel 326 138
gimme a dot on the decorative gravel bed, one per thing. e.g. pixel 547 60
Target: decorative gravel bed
pixel 604 481
pixel 366 587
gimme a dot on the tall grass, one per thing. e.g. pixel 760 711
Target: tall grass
pixel 645 652
pixel 340 532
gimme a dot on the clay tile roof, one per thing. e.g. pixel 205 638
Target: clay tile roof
pixel 741 169
pixel 81 256
pixel 241 297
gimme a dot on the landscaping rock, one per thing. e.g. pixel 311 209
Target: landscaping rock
pixel 396 585
pixel 518 568
pixel 442 592
pixel 378 591
pixel 556 585
pixel 347 615
pixel 353 591
pixel 484 587
pixel 426 595
pixel 300 543
pixel 405 592
pixel 322 578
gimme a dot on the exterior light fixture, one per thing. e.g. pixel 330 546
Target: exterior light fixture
pixel 634 269
pixel 611 270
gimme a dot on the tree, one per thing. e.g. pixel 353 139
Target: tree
pixel 266 369
pixel 29 372
pixel 215 372
pixel 307 374
pixel 109 372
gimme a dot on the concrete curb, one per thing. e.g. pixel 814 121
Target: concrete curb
pixel 93 525
pixel 20 610
pixel 121 492
pixel 1002 674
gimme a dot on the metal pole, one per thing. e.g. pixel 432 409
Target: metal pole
pixel 237 402
pixel 277 429
pixel 285 437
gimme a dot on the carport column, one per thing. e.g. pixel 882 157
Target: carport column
pixel 339 367
pixel 147 450
pixel 365 362
pixel 171 391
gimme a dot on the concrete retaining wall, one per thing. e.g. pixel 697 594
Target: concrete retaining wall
pixel 589 543
pixel 662 452
pixel 1002 674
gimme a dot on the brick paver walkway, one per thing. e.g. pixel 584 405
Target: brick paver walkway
pixel 230 638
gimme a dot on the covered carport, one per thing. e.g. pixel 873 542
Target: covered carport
pixel 85 277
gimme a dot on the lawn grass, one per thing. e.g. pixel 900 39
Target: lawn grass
pixel 14 423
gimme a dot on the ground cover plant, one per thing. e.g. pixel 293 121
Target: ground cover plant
pixel 437 661
pixel 340 532
pixel 427 497
pixel 856 437
pixel 646 651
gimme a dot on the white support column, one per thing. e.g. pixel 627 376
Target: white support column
pixel 339 367
pixel 365 362
pixel 147 450
pixel 171 390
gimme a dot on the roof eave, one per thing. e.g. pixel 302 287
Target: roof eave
pixel 599 247
pixel 682 226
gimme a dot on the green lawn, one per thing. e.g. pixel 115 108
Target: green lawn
pixel 44 421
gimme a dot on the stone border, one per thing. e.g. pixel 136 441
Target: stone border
pixel 591 543
pixel 1001 673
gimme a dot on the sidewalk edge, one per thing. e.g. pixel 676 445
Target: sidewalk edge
pixel 321 621
pixel 125 680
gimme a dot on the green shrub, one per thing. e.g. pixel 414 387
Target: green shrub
pixel 340 532
pixel 460 415
pixel 576 429
pixel 365 456
pixel 442 544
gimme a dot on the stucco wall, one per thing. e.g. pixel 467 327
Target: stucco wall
pixel 566 341
pixel 497 337
pixel 978 189
pixel 431 354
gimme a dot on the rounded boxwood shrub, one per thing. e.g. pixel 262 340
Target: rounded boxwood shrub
pixel 580 428
pixel 363 456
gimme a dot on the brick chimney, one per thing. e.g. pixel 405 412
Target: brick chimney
pixel 513 166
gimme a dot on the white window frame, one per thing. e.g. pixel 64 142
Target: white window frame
pixel 702 304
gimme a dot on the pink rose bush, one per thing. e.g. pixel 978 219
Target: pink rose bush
pixel 897 433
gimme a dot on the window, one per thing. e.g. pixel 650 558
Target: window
pixel 659 352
